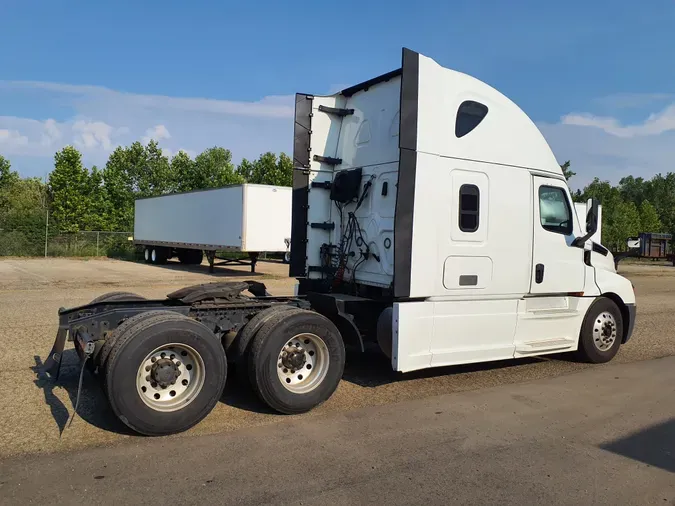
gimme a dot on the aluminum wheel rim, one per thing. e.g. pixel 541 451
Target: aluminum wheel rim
pixel 154 255
pixel 604 331
pixel 147 254
pixel 311 360
pixel 188 368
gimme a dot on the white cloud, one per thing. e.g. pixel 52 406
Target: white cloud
pixel 51 134
pixel 96 119
pixel 655 124
pixel 268 107
pixel 604 147
pixel 11 138
pixel 29 137
pixel 157 133
pixel 91 135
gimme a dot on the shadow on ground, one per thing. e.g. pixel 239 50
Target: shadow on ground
pixel 654 446
pixel 370 369
pixel 93 407
pixel 373 369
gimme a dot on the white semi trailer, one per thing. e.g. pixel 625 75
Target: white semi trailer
pixel 247 218
pixel 429 216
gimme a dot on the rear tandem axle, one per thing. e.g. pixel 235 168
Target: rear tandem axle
pixel 163 363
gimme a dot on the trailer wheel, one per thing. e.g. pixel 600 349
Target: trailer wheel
pixel 190 256
pixel 158 256
pixel 297 360
pixel 147 255
pixel 601 332
pixel 165 373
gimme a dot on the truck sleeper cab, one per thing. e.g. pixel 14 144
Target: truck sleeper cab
pixel 461 216
pixel 429 217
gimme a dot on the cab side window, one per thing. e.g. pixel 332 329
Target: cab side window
pixel 554 210
pixel 469 207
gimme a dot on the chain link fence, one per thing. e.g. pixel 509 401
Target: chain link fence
pixel 30 242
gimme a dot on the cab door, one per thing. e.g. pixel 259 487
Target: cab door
pixel 557 266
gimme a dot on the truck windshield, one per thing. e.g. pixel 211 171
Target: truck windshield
pixel 554 210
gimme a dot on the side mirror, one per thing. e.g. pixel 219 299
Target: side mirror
pixel 592 216
pixel 591 223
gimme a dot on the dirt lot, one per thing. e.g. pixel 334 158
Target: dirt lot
pixel 34 412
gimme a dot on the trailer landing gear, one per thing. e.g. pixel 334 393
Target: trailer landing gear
pixel 212 257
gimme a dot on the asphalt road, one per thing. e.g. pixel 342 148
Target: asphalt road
pixel 605 435
pixel 34 412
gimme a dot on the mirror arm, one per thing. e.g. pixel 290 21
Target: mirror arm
pixel 579 242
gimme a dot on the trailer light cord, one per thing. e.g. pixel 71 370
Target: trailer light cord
pixel 79 390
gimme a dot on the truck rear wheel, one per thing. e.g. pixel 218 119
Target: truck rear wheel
pixel 165 373
pixel 242 343
pixel 147 252
pixel 601 332
pixel 112 337
pixel 297 360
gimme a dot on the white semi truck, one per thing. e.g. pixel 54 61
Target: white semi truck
pixel 248 218
pixel 429 216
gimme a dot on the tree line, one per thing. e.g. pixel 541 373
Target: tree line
pixel 632 206
pixel 75 198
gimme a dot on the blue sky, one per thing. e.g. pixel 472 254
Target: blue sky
pixel 596 76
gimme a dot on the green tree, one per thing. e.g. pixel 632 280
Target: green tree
pixel 183 171
pixel 649 218
pixel 268 169
pixel 97 214
pixel 152 171
pixel 7 175
pixel 661 194
pixel 22 217
pixel 567 172
pixel 8 178
pixel 69 187
pixel 119 190
pixel 134 172
pixel 634 189
pixel 213 168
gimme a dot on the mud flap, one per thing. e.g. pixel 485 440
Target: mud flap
pixel 52 366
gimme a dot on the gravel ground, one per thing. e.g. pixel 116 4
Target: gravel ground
pixel 35 413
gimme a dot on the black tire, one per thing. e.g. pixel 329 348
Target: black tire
pixel 133 346
pixel 160 254
pixel 190 256
pixel 110 341
pixel 117 296
pixel 588 351
pixel 269 342
pixel 147 252
pixel 242 343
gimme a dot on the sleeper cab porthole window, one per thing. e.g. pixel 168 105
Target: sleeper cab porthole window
pixel 469 116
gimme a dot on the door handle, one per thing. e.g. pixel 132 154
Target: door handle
pixel 539 273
